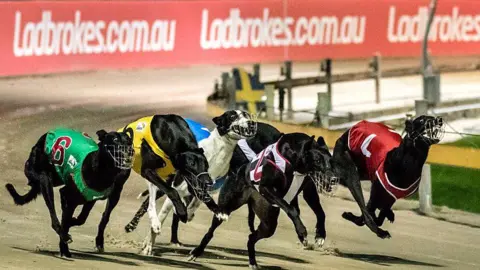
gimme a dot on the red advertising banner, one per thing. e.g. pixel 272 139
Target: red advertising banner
pixel 45 36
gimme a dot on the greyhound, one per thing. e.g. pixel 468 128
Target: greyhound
pixel 218 147
pixel 87 171
pixel 394 165
pixel 270 182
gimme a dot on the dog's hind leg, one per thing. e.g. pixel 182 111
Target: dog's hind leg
pixel 67 212
pixel 132 225
pixel 251 217
pixel 82 217
pixel 310 196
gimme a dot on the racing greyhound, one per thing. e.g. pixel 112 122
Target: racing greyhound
pixel 394 165
pixel 218 147
pixel 277 173
pixel 87 171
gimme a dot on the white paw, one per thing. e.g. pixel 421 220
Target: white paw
pixel 156 226
pixel 319 242
pixel 147 249
pixel 222 216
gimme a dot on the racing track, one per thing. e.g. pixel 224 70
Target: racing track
pixel 27 241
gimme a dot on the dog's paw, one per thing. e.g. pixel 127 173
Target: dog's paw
pixel 147 249
pixel 222 216
pixel 390 216
pixel 156 226
pixel 254 266
pixel 130 228
pixel 319 242
pixel 190 216
pixel 383 234
pixel 176 244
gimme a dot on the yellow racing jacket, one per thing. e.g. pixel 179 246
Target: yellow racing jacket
pixel 142 131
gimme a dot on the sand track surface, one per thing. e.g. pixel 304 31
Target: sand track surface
pixel 91 101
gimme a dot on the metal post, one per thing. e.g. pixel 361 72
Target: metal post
pixel 232 93
pixel 287 72
pixel 431 81
pixel 425 190
pixel 421 107
pixel 281 102
pixel 322 109
pixel 269 103
pixel 223 85
pixel 375 66
pixel 256 71
pixel 326 66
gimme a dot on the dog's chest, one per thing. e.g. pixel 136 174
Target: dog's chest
pixel 218 154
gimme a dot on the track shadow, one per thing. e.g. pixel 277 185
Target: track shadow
pixel 384 260
pixel 238 252
pixel 185 252
pixel 157 260
pixel 76 255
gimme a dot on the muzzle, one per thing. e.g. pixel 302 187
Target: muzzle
pixel 200 188
pixel 326 183
pixel 122 155
pixel 434 130
pixel 245 128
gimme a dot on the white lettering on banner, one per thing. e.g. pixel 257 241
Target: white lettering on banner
pixel 445 28
pixel 270 31
pixel 49 37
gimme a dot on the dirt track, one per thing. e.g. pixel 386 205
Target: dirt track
pixel 27 241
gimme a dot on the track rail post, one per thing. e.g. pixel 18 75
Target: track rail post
pixel 425 188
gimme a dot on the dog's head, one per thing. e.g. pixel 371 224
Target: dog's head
pixel 427 128
pixel 118 146
pixel 317 161
pixel 236 124
pixel 193 166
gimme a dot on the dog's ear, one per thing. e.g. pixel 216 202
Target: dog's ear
pixel 321 142
pixel 101 134
pixel 200 150
pixel 217 120
pixel 408 126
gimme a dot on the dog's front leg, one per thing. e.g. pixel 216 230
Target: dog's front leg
pixel 346 169
pixel 292 213
pixel 171 193
pixel 310 195
pixel 111 203
pixel 68 208
pixel 152 209
pixel 47 192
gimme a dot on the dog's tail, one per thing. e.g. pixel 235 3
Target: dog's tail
pixel 143 194
pixel 23 199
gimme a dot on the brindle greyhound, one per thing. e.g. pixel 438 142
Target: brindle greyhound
pixel 278 173
pixel 88 172
pixel 394 165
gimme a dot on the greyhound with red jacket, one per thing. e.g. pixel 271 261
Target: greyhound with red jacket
pixel 394 165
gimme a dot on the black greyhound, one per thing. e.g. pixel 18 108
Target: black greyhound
pixel 166 154
pixel 278 172
pixel 88 172
pixel 266 134
pixel 394 165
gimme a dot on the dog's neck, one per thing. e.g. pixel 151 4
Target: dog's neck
pixel 218 150
pixel 99 171
pixel 404 164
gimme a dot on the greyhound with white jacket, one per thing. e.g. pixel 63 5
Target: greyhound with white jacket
pixel 231 127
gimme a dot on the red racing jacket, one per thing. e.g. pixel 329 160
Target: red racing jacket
pixel 369 144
